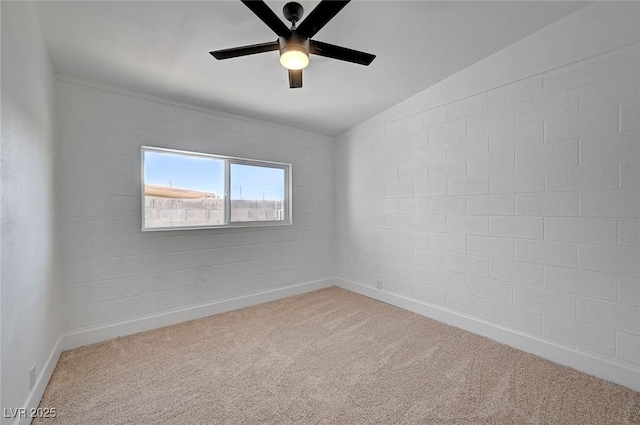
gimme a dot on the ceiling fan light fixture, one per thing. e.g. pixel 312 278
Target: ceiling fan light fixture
pixel 294 57
pixel 294 52
pixel 295 43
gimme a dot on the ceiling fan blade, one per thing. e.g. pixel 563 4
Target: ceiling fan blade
pixel 341 53
pixel 319 17
pixel 245 50
pixel 267 16
pixel 295 79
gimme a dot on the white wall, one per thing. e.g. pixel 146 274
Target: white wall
pixel 509 194
pixel 30 296
pixel 112 272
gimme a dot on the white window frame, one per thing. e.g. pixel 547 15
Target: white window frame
pixel 228 160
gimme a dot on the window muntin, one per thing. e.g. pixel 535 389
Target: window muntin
pixel 190 190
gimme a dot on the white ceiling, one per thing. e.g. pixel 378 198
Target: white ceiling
pixel 161 48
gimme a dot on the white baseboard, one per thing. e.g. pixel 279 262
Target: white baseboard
pixel 601 368
pixel 34 397
pixel 93 334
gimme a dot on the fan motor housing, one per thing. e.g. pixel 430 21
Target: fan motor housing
pixel 294 41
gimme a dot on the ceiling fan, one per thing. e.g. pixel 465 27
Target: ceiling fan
pixel 295 43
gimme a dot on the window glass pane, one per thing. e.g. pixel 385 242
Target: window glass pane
pixel 257 193
pixel 182 190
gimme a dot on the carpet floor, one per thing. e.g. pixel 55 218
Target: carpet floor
pixel 326 357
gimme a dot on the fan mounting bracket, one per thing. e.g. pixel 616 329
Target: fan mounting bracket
pixel 293 12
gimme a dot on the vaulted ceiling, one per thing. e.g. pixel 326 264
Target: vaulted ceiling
pixel 161 48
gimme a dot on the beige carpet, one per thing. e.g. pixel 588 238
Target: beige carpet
pixel 327 357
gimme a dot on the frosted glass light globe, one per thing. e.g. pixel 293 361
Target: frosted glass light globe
pixel 292 57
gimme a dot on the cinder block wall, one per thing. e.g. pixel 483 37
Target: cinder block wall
pixel 111 271
pixel 517 205
pixel 164 212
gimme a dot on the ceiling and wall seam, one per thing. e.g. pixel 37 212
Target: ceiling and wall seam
pixel 586 58
pixel 150 49
pixel 104 87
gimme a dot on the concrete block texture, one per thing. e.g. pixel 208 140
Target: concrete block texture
pixel 533 194
pixel 111 271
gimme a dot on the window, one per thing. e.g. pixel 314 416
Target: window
pixel 189 190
